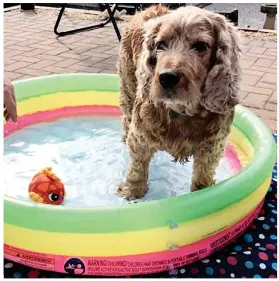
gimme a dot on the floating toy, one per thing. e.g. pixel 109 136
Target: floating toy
pixel 46 188
pixel 139 238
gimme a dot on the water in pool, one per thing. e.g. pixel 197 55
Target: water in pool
pixel 89 157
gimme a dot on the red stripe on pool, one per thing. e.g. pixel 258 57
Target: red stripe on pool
pixel 51 115
pixel 232 158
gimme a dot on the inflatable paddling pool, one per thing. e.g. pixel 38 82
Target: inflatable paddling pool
pixel 131 239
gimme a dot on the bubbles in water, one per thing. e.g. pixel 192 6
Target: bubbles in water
pixel 88 155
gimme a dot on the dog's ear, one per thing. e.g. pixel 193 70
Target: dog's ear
pixel 220 89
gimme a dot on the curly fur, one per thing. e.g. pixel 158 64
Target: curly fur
pixel 195 118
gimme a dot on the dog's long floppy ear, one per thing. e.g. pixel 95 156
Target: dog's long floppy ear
pixel 220 89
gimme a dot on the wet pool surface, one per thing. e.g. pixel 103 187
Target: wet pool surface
pixel 89 157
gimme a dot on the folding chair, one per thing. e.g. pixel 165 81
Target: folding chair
pixel 110 19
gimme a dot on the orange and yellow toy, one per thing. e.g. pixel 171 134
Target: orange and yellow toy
pixel 46 188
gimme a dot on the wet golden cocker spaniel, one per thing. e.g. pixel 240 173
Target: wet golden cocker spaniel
pixel 179 78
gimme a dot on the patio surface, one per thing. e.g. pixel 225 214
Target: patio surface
pixel 32 49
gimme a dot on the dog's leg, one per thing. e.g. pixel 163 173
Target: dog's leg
pixel 206 160
pixel 126 104
pixel 126 71
pixel 135 185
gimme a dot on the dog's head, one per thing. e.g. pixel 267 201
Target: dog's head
pixel 192 58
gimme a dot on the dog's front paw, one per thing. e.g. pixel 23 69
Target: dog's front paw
pixel 131 191
pixel 196 186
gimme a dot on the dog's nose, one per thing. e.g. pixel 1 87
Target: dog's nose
pixel 169 79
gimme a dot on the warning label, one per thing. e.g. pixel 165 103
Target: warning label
pixel 222 241
pixel 33 260
pixel 107 267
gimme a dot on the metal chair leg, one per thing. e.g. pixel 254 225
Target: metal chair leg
pixel 111 18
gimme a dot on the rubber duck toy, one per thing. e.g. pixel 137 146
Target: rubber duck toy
pixel 46 188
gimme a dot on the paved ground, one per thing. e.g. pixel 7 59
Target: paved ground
pixel 248 14
pixel 32 49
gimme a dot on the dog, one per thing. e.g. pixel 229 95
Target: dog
pixel 179 81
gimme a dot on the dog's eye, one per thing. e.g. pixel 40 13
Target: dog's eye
pixel 199 46
pixel 161 46
pixel 153 60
